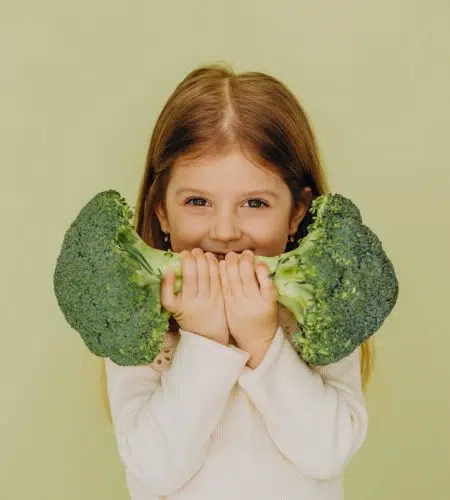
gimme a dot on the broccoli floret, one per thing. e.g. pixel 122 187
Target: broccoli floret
pixel 338 282
pixel 107 283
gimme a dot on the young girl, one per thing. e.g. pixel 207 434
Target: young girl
pixel 229 410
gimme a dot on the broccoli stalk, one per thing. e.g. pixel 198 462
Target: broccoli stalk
pixel 338 282
pixel 155 263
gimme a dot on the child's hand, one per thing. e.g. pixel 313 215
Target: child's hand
pixel 199 307
pixel 250 300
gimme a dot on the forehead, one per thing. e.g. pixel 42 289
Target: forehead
pixel 229 172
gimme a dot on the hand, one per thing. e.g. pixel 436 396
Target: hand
pixel 199 307
pixel 250 296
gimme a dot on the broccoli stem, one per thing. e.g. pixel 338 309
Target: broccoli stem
pixel 287 272
pixel 154 261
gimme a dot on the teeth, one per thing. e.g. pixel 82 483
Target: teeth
pixel 221 256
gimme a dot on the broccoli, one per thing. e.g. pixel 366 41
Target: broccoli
pixel 110 295
pixel 338 283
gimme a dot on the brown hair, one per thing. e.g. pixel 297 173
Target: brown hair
pixel 211 112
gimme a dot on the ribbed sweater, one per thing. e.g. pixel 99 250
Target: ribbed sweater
pixel 198 424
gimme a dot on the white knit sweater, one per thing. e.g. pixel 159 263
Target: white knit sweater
pixel 198 424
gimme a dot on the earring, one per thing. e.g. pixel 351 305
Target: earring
pixel 291 239
pixel 166 237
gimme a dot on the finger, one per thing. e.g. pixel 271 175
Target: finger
pixel 168 298
pixel 224 279
pixel 248 275
pixel 189 273
pixel 202 272
pixel 267 286
pixel 214 275
pixel 233 275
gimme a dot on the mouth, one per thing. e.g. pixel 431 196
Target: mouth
pixel 221 256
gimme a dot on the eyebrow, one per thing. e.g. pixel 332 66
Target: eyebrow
pixel 248 193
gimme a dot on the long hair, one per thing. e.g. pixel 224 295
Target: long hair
pixel 211 112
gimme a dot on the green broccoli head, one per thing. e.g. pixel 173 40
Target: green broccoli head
pixel 110 295
pixel 338 282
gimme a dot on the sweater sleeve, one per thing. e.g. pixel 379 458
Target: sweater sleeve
pixel 163 420
pixel 315 416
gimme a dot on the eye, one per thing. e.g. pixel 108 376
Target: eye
pixel 196 200
pixel 254 202
pixel 257 203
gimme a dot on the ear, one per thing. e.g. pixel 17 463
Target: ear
pixel 300 210
pixel 162 218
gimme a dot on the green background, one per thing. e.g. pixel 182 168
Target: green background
pixel 81 85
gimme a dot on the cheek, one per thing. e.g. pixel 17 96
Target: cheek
pixel 185 233
pixel 270 236
pixel 181 238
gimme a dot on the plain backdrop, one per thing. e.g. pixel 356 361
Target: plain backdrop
pixel 81 85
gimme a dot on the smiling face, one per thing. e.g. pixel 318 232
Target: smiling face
pixel 227 204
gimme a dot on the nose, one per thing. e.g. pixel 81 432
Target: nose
pixel 225 227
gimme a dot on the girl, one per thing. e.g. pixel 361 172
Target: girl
pixel 229 410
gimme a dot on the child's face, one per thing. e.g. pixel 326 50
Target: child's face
pixel 227 204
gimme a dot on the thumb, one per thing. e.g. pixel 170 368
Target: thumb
pixel 267 286
pixel 168 298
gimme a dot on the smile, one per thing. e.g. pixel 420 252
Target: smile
pixel 221 256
